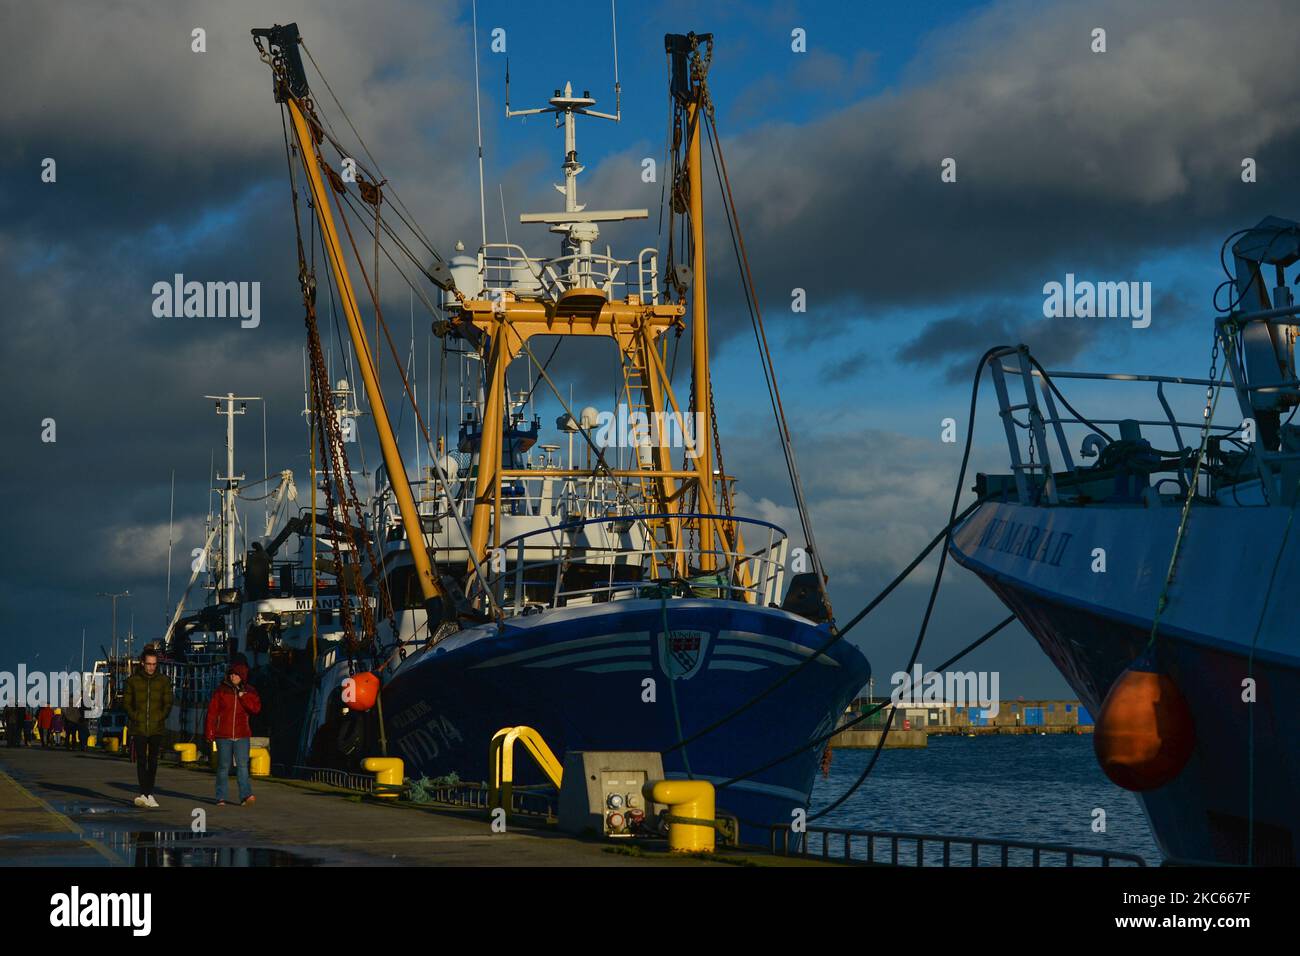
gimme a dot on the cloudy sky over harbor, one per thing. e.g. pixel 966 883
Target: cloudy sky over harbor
pixel 1115 166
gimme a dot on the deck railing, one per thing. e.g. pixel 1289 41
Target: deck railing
pixel 1037 462
pixel 541 495
pixel 193 683
pixel 505 266
pixel 1277 469
pixel 541 567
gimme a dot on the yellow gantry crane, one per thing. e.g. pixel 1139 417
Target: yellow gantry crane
pixel 579 306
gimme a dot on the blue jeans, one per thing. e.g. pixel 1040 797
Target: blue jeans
pixel 239 747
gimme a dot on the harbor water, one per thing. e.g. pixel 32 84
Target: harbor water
pixel 1044 789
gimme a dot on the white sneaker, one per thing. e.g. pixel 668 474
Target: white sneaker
pixel 141 801
pixel 152 802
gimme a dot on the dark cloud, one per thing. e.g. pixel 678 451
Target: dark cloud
pixel 1178 305
pixel 954 343
pixel 846 367
pixel 171 161
pixel 146 131
pixel 1067 160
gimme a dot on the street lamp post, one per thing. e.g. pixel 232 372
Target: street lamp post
pixel 112 662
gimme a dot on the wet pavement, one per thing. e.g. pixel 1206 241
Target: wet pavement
pixel 63 808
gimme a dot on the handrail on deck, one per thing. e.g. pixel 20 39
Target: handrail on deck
pixel 500 262
pixel 1042 459
pixel 754 576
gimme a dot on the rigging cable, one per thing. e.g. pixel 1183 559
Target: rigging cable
pixel 410 396
pixel 938 578
pixel 947 536
pixel 400 206
pixel 866 714
pixel 834 638
pixel 1212 393
pixel 765 355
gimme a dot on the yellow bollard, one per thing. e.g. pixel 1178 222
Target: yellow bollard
pixel 389 773
pixel 189 752
pixel 113 744
pixel 259 762
pixel 686 798
pixel 91 741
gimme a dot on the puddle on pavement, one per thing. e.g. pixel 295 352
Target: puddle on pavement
pixel 168 848
pixel 42 836
pixel 80 809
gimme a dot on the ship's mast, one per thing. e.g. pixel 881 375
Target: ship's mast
pixel 230 488
pixel 702 397
pixel 576 224
pixel 292 90
pixel 688 90
pixel 393 463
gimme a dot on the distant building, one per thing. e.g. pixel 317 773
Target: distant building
pixel 1010 713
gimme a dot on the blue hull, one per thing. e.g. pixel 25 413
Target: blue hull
pixel 1202 815
pixel 580 675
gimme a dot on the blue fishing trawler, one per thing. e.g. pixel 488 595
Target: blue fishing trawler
pixel 1175 545
pixel 613 598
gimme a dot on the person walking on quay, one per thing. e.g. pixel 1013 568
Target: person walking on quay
pixel 147 701
pixel 76 725
pixel 233 703
pixel 57 727
pixel 44 721
pixel 14 717
pixel 29 723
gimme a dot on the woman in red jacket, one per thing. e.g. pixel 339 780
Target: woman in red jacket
pixel 44 721
pixel 233 702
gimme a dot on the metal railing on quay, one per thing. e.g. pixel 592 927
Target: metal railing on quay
pixel 529 801
pixel 343 779
pixel 909 849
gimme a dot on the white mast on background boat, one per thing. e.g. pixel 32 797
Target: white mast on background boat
pixel 230 492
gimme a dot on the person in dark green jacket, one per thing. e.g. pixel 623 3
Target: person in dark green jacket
pixel 147 701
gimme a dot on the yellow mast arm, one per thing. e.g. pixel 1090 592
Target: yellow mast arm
pixel 487 486
pixel 311 161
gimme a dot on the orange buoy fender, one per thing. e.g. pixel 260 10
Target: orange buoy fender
pixel 365 691
pixel 1144 734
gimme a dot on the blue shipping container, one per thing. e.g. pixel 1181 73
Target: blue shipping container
pixel 1033 716
pixel 1084 716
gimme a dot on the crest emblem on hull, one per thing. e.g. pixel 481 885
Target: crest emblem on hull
pixel 682 652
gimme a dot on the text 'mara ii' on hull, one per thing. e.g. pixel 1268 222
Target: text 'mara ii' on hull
pixel 613 600
pixel 1172 570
